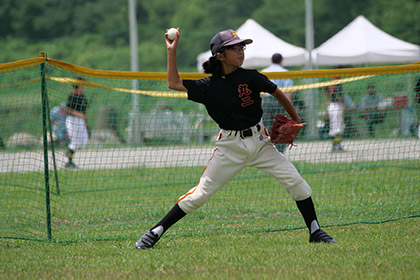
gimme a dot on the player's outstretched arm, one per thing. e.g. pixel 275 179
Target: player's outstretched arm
pixel 287 104
pixel 174 82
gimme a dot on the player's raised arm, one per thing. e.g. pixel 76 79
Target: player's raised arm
pixel 174 82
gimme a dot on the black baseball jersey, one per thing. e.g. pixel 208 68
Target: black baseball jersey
pixel 77 101
pixel 232 101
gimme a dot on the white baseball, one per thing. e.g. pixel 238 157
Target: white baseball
pixel 172 33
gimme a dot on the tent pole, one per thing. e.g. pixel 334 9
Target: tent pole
pixel 134 134
pixel 310 95
pixel 309 32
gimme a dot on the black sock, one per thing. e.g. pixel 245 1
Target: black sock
pixel 171 218
pixel 307 209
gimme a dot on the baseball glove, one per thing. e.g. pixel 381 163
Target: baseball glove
pixel 284 130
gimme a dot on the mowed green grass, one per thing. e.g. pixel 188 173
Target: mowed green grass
pixel 121 204
pixel 239 234
pixel 375 251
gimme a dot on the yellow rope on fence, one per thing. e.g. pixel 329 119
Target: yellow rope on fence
pixel 144 92
pixel 356 73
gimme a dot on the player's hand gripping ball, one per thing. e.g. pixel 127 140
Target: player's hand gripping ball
pixel 172 33
pixel 284 130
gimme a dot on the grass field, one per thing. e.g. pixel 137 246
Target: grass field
pixel 250 230
pixel 117 204
pixel 374 251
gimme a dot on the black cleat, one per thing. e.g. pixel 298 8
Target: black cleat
pixel 148 240
pixel 320 236
pixel 70 165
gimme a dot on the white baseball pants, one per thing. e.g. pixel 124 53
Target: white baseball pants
pixel 232 154
pixel 77 132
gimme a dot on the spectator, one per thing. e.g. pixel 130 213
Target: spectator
pixel 76 122
pixel 416 104
pixel 270 105
pixel 406 119
pixel 58 118
pixel 370 109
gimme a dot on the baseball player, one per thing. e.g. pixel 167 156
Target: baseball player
pixel 336 118
pixel 76 122
pixel 231 96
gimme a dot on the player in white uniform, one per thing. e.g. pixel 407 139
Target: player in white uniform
pixel 232 98
pixel 76 122
pixel 336 119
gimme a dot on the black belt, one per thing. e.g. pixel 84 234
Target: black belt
pixel 248 132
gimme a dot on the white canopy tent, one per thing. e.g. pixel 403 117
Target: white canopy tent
pixel 258 54
pixel 361 42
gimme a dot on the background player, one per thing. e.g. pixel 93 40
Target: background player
pixel 76 122
pixel 232 98
pixel 270 105
pixel 336 111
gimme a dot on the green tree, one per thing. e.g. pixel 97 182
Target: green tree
pixel 330 16
pixel 287 20
pixel 5 17
pixel 102 17
pixel 89 32
pixel 200 20
pixel 399 18
pixel 40 18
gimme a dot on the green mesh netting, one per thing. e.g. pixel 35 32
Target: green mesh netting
pixel 149 145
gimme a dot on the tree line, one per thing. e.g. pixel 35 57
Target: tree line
pixel 95 33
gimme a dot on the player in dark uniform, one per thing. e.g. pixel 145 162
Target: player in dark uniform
pixel 76 122
pixel 232 98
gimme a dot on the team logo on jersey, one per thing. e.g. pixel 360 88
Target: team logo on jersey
pixel 244 95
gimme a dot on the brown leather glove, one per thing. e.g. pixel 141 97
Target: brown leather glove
pixel 284 130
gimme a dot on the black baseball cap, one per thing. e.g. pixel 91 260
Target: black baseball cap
pixel 276 58
pixel 226 38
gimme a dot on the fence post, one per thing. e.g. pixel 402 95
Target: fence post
pixel 45 140
pixel 52 144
